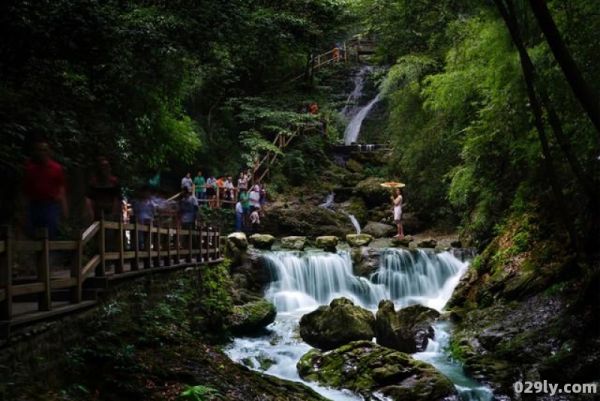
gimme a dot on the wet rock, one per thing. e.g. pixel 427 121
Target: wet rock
pixel 456 244
pixel 427 243
pixel 407 330
pixel 252 317
pixel 305 219
pixel 236 249
pixel 366 368
pixel 405 242
pixel 365 261
pixel 327 243
pixel 338 323
pixel 356 240
pixel 262 241
pixel 379 230
pixel 238 240
pixel 296 243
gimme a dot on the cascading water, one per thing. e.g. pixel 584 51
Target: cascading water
pixel 355 223
pixel 356 113
pixel 302 281
pixel 353 128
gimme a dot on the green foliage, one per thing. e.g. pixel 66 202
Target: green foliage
pixel 199 393
pixel 215 303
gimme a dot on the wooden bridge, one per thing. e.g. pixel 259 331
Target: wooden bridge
pixel 105 252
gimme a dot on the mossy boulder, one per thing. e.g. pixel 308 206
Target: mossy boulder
pixel 357 240
pixel 339 323
pixel 294 242
pixel 371 191
pixel 379 230
pixel 237 245
pixel 262 241
pixel 327 243
pixel 427 243
pixel 404 242
pixel 365 260
pixel 252 317
pixel 365 367
pixel 407 330
pixel 303 218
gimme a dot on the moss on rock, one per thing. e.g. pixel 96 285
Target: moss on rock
pixel 252 317
pixel 365 367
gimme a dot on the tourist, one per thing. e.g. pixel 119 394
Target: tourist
pixel 239 216
pixel 211 191
pixel 254 197
pixel 44 189
pixel 229 188
pixel 245 200
pixel 242 182
pixel 220 184
pixel 313 108
pixel 188 208
pixel 397 204
pixel 187 182
pixel 200 187
pixel 104 192
pixel 144 209
pixel 255 220
pixel 263 195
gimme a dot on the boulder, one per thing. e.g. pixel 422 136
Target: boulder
pixel 327 243
pixel 379 230
pixel 262 241
pixel 372 192
pixel 427 243
pixel 456 244
pixel 356 240
pixel 339 323
pixel 407 330
pixel 252 317
pixel 366 368
pixel 365 261
pixel 237 240
pixel 296 243
pixel 236 249
pixel 304 218
pixel 405 242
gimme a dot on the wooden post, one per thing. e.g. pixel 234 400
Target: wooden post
pixel 178 242
pixel 101 269
pixel 158 238
pixel 76 270
pixel 45 299
pixel 218 197
pixel 135 264
pixel 218 244
pixel 148 246
pixel 168 259
pixel 6 265
pixel 121 261
pixel 190 245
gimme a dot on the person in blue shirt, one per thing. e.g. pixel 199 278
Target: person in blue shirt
pixel 188 208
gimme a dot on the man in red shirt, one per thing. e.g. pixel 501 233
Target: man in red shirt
pixel 44 187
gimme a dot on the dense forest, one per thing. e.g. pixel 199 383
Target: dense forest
pixel 488 111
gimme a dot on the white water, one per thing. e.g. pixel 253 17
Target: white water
pixel 355 223
pixel 353 128
pixel 351 108
pixel 302 281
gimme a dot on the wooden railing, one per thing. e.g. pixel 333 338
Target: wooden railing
pixel 105 250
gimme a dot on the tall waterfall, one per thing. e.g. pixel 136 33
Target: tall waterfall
pixel 304 281
pixel 353 128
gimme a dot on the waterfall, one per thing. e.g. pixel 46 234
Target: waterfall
pixel 353 128
pixel 359 82
pixel 328 204
pixel 304 281
pixel 355 223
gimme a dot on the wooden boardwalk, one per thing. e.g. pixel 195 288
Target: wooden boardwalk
pixel 103 253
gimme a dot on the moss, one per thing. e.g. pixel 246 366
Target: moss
pixel 252 316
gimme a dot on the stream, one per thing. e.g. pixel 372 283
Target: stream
pixel 302 281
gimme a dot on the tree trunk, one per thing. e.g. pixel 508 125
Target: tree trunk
pixel 529 76
pixel 583 92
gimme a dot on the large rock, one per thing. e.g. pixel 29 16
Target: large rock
pixel 339 323
pixel 405 242
pixel 407 330
pixel 365 367
pixel 252 317
pixel 356 240
pixel 327 243
pixel 303 218
pixel 365 260
pixel 371 191
pixel 379 230
pixel 238 240
pixel 296 243
pixel 427 243
pixel 236 249
pixel 262 241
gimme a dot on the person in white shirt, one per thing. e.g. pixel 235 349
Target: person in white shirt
pixel 239 216
pixel 255 197
pixel 397 203
pixel 255 220
pixel 187 182
pixel 229 188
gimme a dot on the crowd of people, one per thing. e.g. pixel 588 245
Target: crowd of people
pixel 45 193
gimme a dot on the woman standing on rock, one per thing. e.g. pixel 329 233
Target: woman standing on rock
pixel 397 203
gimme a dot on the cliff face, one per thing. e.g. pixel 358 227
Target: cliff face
pixel 527 310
